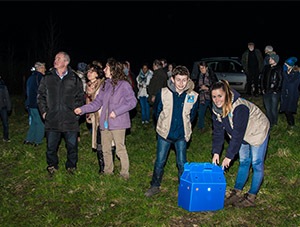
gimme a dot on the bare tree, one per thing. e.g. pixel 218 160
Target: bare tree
pixel 51 43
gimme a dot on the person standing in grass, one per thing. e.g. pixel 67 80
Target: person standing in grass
pixel 143 81
pixel 59 93
pixel 175 108
pixel 248 129
pixel 116 98
pixel 95 78
pixel 290 91
pixel 270 86
pixel 205 79
pixel 36 131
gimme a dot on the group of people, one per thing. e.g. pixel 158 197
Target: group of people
pixel 278 85
pixel 58 98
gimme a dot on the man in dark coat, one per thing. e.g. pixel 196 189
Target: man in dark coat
pixel 253 62
pixel 59 93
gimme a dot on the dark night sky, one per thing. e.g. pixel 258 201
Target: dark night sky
pixel 141 31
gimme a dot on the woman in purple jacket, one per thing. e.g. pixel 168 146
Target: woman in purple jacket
pixel 116 98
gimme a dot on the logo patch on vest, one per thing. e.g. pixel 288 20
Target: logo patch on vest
pixel 190 98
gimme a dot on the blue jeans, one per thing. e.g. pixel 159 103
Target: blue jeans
pixel 271 103
pixel 202 111
pixel 162 151
pixel 4 119
pixel 36 131
pixel 145 108
pixel 254 155
pixel 53 142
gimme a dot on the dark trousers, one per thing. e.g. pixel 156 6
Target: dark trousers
pixel 252 82
pixel 290 118
pixel 53 142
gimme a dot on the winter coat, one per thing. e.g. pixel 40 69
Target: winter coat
pixel 271 79
pixel 92 90
pixel 260 60
pixel 289 92
pixel 119 99
pixel 5 101
pixel 158 81
pixel 143 81
pixel 58 98
pixel 32 86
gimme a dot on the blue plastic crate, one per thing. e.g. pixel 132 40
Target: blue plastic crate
pixel 202 187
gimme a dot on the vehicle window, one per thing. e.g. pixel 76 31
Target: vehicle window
pixel 223 66
pixel 212 65
pixel 238 67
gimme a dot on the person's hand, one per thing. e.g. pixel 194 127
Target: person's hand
pixel 77 111
pixel 112 115
pixel 226 162
pixel 153 99
pixel 216 159
pixel 204 88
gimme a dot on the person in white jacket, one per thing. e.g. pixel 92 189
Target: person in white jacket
pixel 143 80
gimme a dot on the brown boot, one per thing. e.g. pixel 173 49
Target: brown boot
pixel 247 201
pixel 234 196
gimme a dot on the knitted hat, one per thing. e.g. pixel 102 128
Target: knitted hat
pixel 275 57
pixel 82 67
pixel 291 61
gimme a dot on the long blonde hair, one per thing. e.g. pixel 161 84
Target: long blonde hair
pixel 224 85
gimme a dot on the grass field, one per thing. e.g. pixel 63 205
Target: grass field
pixel 29 197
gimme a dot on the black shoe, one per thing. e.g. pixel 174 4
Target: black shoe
pixel 27 142
pixel 152 191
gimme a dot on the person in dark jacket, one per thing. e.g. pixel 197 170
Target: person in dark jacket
pixel 270 86
pixel 204 81
pixel 59 93
pixel 253 63
pixel 158 81
pixel 248 130
pixel 36 131
pixel 5 109
pixel 290 91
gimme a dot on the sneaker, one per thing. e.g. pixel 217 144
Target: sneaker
pixel 152 191
pixel 51 170
pixel 143 122
pixel 6 140
pixel 71 170
pixel 234 196
pixel 146 122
